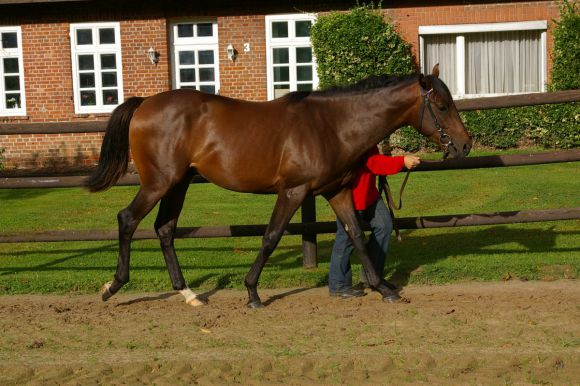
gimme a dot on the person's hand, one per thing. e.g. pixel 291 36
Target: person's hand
pixel 411 162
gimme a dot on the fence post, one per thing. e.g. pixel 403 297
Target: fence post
pixel 309 246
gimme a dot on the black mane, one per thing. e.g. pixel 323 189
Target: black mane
pixel 370 83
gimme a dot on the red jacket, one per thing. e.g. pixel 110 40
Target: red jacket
pixel 364 187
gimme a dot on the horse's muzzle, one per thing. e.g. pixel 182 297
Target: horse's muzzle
pixel 455 152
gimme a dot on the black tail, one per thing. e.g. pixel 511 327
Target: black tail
pixel 114 157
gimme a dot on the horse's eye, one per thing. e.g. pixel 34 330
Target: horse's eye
pixel 443 109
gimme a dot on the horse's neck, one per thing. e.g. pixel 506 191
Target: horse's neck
pixel 374 115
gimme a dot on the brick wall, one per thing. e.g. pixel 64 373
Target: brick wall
pixel 48 74
pixel 52 152
pixel 244 78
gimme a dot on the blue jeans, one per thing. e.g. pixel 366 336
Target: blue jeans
pixel 379 218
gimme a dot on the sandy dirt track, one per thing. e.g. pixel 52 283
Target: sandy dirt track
pixel 469 333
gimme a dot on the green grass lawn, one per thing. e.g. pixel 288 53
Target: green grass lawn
pixel 547 251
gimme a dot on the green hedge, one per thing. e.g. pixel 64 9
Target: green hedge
pixel 566 53
pixel 549 126
pixel 354 45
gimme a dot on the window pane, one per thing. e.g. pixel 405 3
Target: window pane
pixel 87 80
pixel 185 30
pixel 304 87
pixel 13 101
pixel 303 28
pixel 9 40
pixel 280 29
pixel 503 62
pixel 109 79
pixel 12 83
pixel 304 55
pixel 110 97
pixel 188 87
pixel 205 57
pixel 84 36
pixel 187 57
pixel 281 90
pixel 442 49
pixel 86 62
pixel 10 65
pixel 281 74
pixel 204 29
pixel 207 89
pixel 187 75
pixel 108 61
pixel 280 55
pixel 88 98
pixel 303 73
pixel 206 75
pixel 107 36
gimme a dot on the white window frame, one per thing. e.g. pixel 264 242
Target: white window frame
pixel 12 53
pixel 96 49
pixel 195 43
pixel 291 42
pixel 461 29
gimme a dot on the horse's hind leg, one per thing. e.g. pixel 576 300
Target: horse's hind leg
pixel 342 205
pixel 129 218
pixel 286 205
pixel 165 226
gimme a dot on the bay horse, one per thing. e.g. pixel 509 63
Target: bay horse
pixel 305 143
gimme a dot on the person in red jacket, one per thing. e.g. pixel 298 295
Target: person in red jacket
pixel 371 208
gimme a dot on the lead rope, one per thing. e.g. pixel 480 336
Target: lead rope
pixel 384 186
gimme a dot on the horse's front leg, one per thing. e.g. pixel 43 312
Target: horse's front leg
pixel 342 205
pixel 286 205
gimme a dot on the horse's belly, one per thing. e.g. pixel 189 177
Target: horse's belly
pixel 239 180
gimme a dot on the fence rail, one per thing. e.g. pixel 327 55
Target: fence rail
pixel 462 105
pixel 491 161
pixel 446 221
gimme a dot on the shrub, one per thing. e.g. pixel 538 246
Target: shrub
pixel 566 53
pixel 350 46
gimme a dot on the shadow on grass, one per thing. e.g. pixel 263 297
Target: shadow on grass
pixel 416 250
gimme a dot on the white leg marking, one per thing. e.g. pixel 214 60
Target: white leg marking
pixel 191 297
pixel 105 292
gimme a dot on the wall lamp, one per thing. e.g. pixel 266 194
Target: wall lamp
pixel 153 55
pixel 232 53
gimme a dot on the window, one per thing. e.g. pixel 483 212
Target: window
pixel 11 73
pixel 291 63
pixel 487 59
pixel 195 56
pixel 96 63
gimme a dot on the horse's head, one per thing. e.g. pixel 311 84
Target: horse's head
pixel 437 117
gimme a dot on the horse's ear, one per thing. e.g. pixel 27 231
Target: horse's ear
pixel 435 71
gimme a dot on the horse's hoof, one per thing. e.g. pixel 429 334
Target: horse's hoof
pixel 196 303
pixel 191 298
pixel 105 291
pixel 394 298
pixel 255 304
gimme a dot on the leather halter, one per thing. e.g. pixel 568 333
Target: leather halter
pixel 444 138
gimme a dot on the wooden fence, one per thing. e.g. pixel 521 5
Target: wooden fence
pixel 309 228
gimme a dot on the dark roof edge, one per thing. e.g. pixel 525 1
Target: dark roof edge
pixel 5 2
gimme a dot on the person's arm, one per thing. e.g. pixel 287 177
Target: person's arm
pixel 383 165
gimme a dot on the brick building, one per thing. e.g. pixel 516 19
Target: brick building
pixel 66 64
